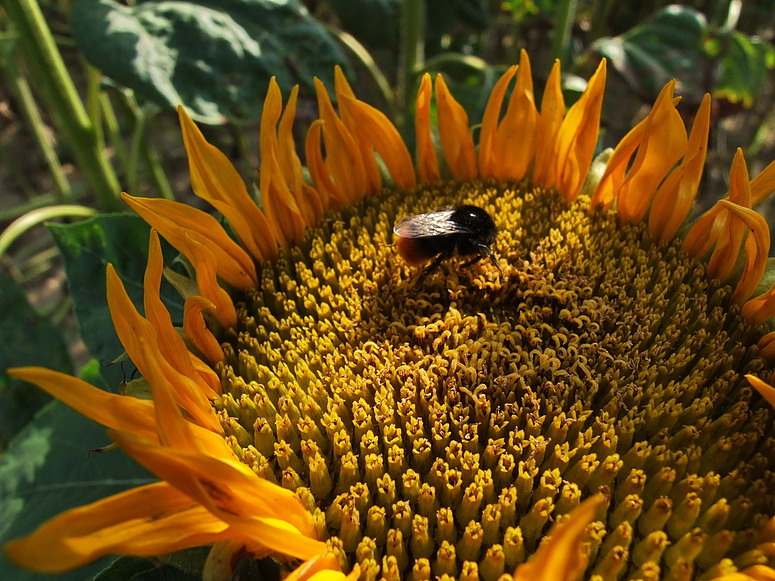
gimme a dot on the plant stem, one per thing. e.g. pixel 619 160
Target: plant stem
pixel 412 56
pixel 566 13
pixel 35 123
pixel 50 74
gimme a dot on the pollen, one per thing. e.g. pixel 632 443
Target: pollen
pixel 441 430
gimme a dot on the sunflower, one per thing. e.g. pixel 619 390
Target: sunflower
pixel 596 405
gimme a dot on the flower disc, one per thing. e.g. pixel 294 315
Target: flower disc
pixel 443 429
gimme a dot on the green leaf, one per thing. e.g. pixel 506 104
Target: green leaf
pixel 86 248
pixel 215 58
pixel 743 68
pixel 139 569
pixel 667 46
pixel 48 469
pixel 28 339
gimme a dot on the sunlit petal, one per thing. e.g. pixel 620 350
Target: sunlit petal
pixel 173 220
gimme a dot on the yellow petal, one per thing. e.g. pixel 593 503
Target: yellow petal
pixel 427 160
pixel 765 390
pixel 577 137
pixel 376 130
pixel 757 248
pixel 561 557
pixel 215 179
pixel 664 143
pixel 675 197
pixel 547 127
pixel 173 219
pixel 117 412
pixel 144 521
pixel 490 119
pixel 196 329
pixel 456 141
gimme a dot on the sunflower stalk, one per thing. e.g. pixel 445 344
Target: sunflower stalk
pixel 412 57
pixel 50 74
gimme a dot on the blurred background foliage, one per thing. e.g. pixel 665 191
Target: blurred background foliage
pixel 87 109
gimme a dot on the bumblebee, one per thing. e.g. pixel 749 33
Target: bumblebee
pixel 464 230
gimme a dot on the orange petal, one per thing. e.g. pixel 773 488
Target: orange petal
pixel 196 329
pixel 427 160
pixel 216 180
pixel 730 238
pixel 144 521
pixel 171 344
pixel 766 347
pixel 763 184
pixel 675 197
pixel 547 127
pixel 342 89
pixel 705 231
pixel 761 308
pixel 228 488
pixel 173 219
pixel 117 412
pixel 757 248
pixel 561 558
pixel 205 371
pixel 139 339
pixel 617 166
pixel 323 568
pixel 456 141
pixel 664 143
pixel 766 391
pixel 490 120
pixel 282 210
pixel 323 562
pixel 753 573
pixel 203 260
pixel 343 161
pixel 577 137
pixel 313 150
pixel 515 137
pixel 376 130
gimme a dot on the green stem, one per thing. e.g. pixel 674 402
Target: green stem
pixel 35 123
pixel 34 217
pixel 113 130
pixel 368 62
pixel 135 144
pixel 566 13
pixel 158 175
pixel 50 74
pixel 412 56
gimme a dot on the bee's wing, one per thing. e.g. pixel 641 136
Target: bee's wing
pixel 427 225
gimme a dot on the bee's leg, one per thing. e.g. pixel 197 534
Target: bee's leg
pixel 431 267
pixel 473 261
pixel 487 251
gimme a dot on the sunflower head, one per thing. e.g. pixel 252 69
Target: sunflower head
pixel 356 388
